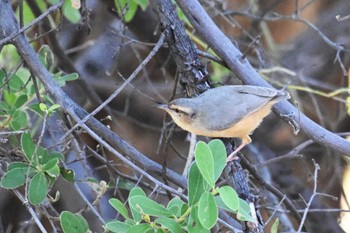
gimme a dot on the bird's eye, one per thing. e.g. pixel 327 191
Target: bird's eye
pixel 176 110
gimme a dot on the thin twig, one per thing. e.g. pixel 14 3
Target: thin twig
pixel 120 88
pixel 314 194
pixel 30 210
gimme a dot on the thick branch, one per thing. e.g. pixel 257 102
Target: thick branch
pixel 192 72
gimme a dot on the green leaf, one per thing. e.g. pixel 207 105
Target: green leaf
pixel 10 98
pixel 35 108
pixel 15 83
pixel 4 108
pixel 37 189
pixel 16 177
pixel 218 150
pixel 243 213
pixel 135 213
pixel 124 184
pixel 73 15
pixel 205 162
pixel 147 206
pixel 53 172
pixel 207 210
pixel 83 222
pixel 20 101
pixel 169 223
pixel 196 184
pixel 46 56
pixel 274 227
pixel 68 174
pixel 136 192
pixel 72 223
pixel 17 165
pixel 230 197
pixel 140 228
pixel 66 78
pixel 50 164
pixel 42 155
pixel 175 205
pixel 19 120
pixel 53 108
pixel 117 226
pixel 194 225
pixel 130 13
pixel 43 107
pixel 27 145
pixel 2 76
pixel 120 207
pixel 55 154
pixel 220 204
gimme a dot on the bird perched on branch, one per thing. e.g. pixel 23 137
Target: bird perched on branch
pixel 225 112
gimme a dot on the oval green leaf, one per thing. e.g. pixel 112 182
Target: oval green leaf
pixel 17 165
pixel 22 99
pixel 147 206
pixel 194 225
pixel 19 120
pixel 28 145
pixel 136 192
pixel 119 206
pixel 68 174
pixel 37 189
pixel 207 210
pixel 218 150
pixel 53 172
pixel 170 224
pixel 70 223
pixel 140 228
pixel 243 213
pixel 16 177
pixel 175 206
pixel 230 197
pixel 196 184
pixel 15 83
pixel 73 15
pixel 52 162
pixel 117 226
pixel 274 227
pixel 205 162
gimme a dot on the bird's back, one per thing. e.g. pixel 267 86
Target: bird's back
pixel 229 105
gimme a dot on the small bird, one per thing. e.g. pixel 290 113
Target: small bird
pixel 225 112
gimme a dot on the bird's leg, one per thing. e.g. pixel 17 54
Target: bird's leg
pixel 232 156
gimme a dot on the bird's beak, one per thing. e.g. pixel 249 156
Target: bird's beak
pixel 162 106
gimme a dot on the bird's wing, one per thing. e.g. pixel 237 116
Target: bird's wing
pixel 230 104
pixel 256 90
